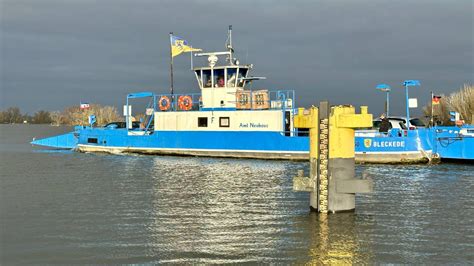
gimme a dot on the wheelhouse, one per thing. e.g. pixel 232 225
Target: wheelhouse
pixel 226 101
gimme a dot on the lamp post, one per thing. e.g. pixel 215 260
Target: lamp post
pixel 407 84
pixel 385 88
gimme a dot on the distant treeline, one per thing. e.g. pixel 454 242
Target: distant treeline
pixel 72 115
pixel 461 101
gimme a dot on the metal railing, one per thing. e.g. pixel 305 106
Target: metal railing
pixel 277 100
pixel 173 101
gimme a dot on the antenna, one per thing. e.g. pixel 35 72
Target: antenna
pixel 247 54
pixel 229 47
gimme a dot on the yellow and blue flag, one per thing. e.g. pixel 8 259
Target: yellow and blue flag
pixel 179 45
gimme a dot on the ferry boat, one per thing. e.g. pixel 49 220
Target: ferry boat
pixel 228 119
pixel 418 145
pixel 394 146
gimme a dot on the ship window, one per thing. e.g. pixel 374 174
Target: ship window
pixel 219 80
pixel 231 77
pixel 207 78
pixel 92 140
pixel 202 121
pixel 198 77
pixel 242 74
pixel 224 121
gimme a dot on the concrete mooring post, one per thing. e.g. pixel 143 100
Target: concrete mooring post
pixel 331 183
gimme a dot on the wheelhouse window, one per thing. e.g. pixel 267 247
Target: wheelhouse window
pixel 242 74
pixel 206 78
pixel 198 77
pixel 231 77
pixel 224 122
pixel 202 121
pixel 219 78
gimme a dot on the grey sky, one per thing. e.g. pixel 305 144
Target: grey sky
pixel 56 53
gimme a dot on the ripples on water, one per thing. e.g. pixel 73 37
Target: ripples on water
pixel 67 207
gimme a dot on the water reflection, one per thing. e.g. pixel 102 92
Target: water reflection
pixel 333 239
pixel 215 210
pixel 411 204
pixel 81 208
pixel 52 151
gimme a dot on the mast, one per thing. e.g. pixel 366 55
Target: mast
pixel 171 66
pixel 431 118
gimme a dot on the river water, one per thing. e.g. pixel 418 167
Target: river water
pixel 67 207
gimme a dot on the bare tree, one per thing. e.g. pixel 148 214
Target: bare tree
pixel 75 116
pixel 41 117
pixel 461 102
pixel 56 118
pixel 12 115
pixel 106 114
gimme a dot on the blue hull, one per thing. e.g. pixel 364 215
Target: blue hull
pixel 251 144
pixel 396 146
pixel 370 146
pixel 450 143
pixel 65 141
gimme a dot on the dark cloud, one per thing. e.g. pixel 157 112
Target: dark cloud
pixel 55 53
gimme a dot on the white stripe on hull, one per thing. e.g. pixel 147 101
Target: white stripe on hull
pixel 293 155
pixel 393 157
pixel 392 152
pixel 360 157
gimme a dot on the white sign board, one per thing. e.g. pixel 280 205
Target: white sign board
pixel 413 103
pixel 125 110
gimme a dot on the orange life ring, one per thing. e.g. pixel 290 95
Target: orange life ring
pixel 185 102
pixel 164 103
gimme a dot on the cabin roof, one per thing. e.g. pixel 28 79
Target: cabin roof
pixel 221 67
